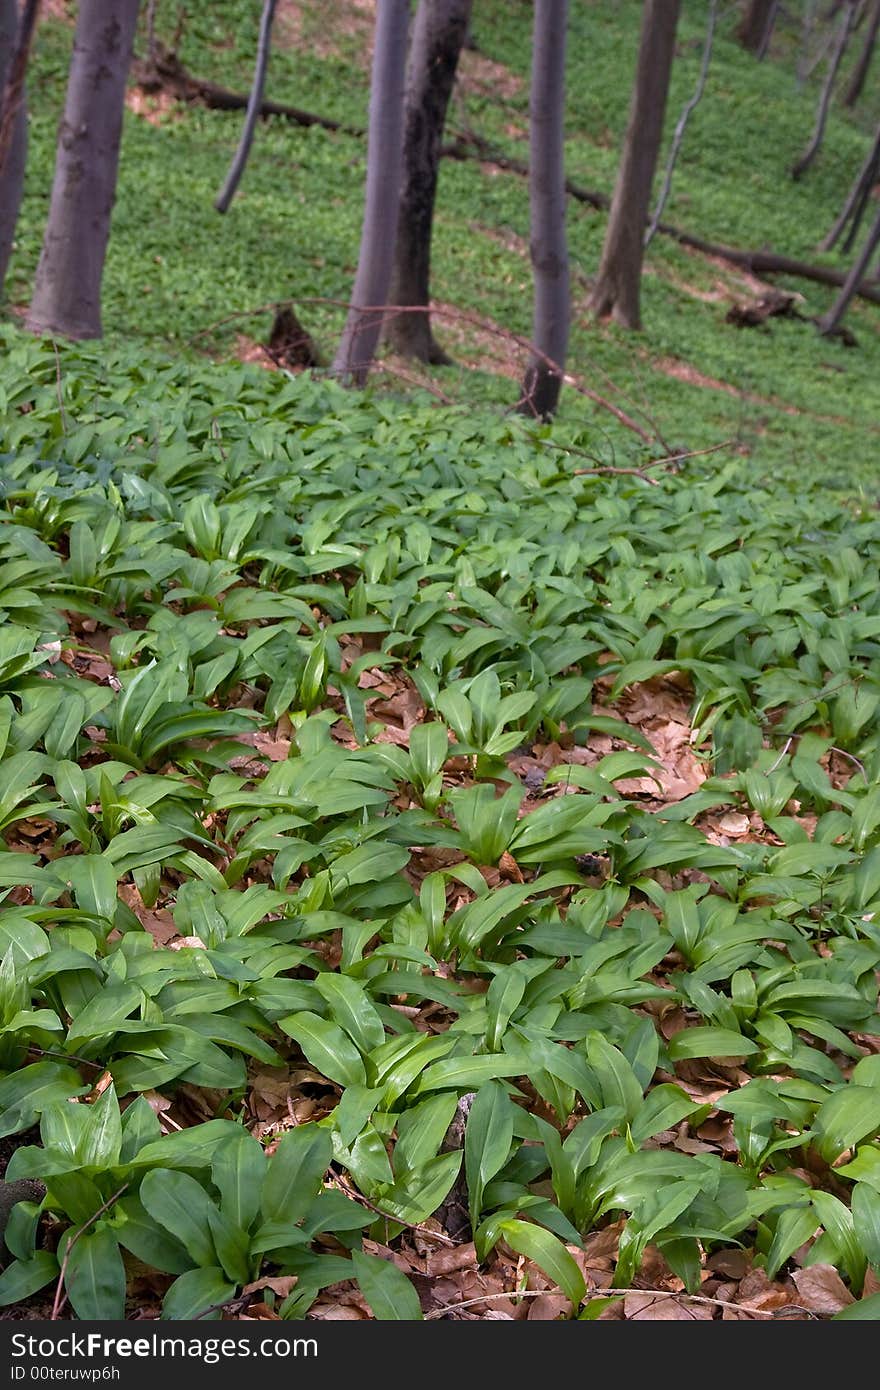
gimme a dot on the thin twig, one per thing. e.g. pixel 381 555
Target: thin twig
pixel 621 1293
pixel 689 107
pixel 457 316
pixel 606 468
pixel 852 758
pixel 57 1305
pixel 785 747
pixel 440 1237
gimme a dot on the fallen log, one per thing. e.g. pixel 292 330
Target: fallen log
pixel 165 72
pixel 757 262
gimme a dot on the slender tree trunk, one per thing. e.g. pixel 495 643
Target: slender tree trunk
pixel 382 199
pixel 15 40
pixel 438 36
pixel 255 102
pixel 756 24
pixel 616 290
pixel 681 126
pixel 830 322
pixel 847 20
pixel 856 200
pixel 547 198
pixel 808 25
pixel 860 71
pixel 764 46
pixel 67 290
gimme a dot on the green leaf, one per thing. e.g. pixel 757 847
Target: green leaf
pixel 196 1291
pixel 352 1009
pixel 386 1288
pixel 795 1226
pixel 548 1252
pixel 24 1277
pixel 102 1142
pixel 662 1108
pixel 296 1171
pixel 487 1140
pixel 238 1172
pixel 95 1276
pixel 865 1310
pixel 330 1051
pixel 865 1207
pixel 182 1206
pixel 710 1042
pixel 147 1240
pixel 468 1073
pixel 616 1078
pixel 846 1117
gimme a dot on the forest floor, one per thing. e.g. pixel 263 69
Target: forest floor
pixel 441 856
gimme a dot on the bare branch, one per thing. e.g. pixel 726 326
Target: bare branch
pixel 683 119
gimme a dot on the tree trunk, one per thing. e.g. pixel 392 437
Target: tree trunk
pixel 382 199
pixel 255 102
pixel 547 199
pixel 846 27
pixel 616 290
pixel 853 209
pixel 67 290
pixel 829 323
pixel 15 37
pixel 438 37
pixel 755 25
pixel 681 126
pixel 860 71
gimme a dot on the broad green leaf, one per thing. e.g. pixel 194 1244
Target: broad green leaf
pixel 238 1171
pixel 548 1253
pixel 182 1206
pixel 193 1293
pixel 95 1276
pixel 24 1277
pixel 296 1170
pixel 352 1009
pixel 386 1288
pixel 330 1051
pixel 487 1141
pixel 469 1073
pixel 710 1042
pixel 845 1118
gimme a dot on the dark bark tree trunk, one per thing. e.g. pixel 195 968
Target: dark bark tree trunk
pixel 860 71
pixel 756 24
pixel 847 21
pixel 15 39
pixel 764 46
pixel 547 198
pixel 255 102
pixel 829 323
pixel 382 199
pixel 438 37
pixel 67 289
pixel 853 209
pixel 616 290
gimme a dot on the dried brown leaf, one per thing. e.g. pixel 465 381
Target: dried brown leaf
pixel 821 1289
